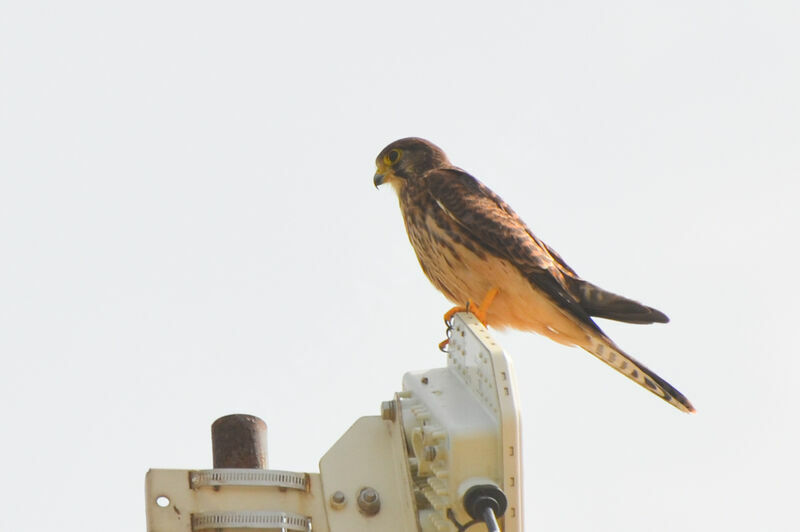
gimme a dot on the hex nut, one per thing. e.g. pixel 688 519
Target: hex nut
pixel 369 501
pixel 389 410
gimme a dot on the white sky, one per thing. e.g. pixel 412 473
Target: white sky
pixel 188 229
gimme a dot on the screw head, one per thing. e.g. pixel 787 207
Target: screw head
pixel 369 501
pixel 338 500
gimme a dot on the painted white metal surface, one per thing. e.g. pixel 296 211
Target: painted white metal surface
pixel 462 425
pixel 369 455
pixel 493 379
pixel 173 505
pixel 452 428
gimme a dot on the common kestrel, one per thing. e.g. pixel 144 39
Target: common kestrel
pixel 474 248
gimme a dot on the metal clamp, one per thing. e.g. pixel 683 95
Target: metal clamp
pixel 248 477
pixel 257 519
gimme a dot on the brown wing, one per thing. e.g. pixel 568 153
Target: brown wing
pixel 494 227
pixel 601 303
pixel 604 304
pixel 498 229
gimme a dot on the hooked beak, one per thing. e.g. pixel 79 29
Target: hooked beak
pixel 379 179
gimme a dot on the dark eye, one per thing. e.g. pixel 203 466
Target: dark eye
pixel 392 157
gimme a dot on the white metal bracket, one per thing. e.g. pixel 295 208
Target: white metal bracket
pixel 411 469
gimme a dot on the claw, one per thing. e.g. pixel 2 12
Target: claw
pixel 452 312
pixel 479 311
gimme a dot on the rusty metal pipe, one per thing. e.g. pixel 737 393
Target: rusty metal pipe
pixel 239 441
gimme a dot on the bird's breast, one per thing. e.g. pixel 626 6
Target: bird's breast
pixel 465 270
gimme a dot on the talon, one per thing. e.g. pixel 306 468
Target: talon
pixel 453 311
pixel 443 345
pixel 480 311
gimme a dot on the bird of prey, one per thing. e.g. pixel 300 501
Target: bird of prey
pixel 474 248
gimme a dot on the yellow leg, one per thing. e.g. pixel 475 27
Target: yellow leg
pixel 479 311
pixel 483 309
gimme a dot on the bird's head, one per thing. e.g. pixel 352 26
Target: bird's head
pixel 407 159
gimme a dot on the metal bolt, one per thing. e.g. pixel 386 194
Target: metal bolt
pixel 430 453
pixel 389 410
pixel 338 500
pixel 369 502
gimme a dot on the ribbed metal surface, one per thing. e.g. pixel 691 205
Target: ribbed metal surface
pixel 261 519
pixel 249 477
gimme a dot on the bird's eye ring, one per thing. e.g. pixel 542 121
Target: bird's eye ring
pixel 392 157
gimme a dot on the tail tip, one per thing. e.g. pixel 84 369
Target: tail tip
pixel 659 317
pixel 687 406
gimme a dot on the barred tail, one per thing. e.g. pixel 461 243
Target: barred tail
pixel 605 350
